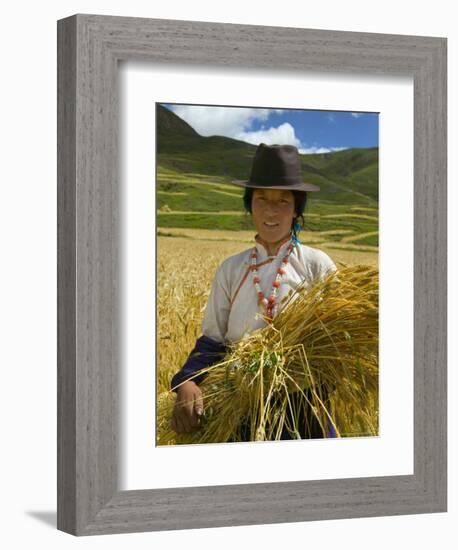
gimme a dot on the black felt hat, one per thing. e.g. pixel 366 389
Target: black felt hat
pixel 276 167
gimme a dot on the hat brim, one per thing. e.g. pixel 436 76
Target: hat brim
pixel 288 187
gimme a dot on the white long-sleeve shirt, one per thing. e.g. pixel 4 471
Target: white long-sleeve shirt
pixel 232 309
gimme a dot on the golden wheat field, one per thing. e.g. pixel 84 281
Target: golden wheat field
pixel 186 264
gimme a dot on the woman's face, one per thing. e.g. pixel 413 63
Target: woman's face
pixel 273 212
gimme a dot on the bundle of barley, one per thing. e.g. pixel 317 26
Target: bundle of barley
pixel 321 347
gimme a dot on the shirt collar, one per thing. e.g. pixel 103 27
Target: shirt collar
pixel 262 251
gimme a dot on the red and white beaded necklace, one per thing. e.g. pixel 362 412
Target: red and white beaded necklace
pixel 269 303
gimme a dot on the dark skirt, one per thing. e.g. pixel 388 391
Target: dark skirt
pixel 307 424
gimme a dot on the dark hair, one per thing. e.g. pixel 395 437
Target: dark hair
pixel 300 200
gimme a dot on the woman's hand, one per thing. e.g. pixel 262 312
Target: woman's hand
pixel 188 408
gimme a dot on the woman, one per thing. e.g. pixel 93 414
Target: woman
pixel 248 287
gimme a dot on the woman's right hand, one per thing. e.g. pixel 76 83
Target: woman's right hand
pixel 188 408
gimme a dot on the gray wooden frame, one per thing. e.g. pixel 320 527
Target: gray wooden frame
pixel 89 48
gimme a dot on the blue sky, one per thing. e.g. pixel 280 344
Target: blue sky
pixel 309 131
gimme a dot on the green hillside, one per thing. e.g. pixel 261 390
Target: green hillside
pixel 194 173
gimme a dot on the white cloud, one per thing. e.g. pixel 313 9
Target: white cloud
pixel 282 135
pixel 236 122
pixel 356 115
pixel 319 150
pixel 331 118
pixel 221 121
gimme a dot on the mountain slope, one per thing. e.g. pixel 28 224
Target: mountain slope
pixel 194 174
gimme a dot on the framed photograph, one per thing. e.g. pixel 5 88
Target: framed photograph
pixel 138 189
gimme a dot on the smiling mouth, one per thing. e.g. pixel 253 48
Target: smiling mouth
pixel 270 224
